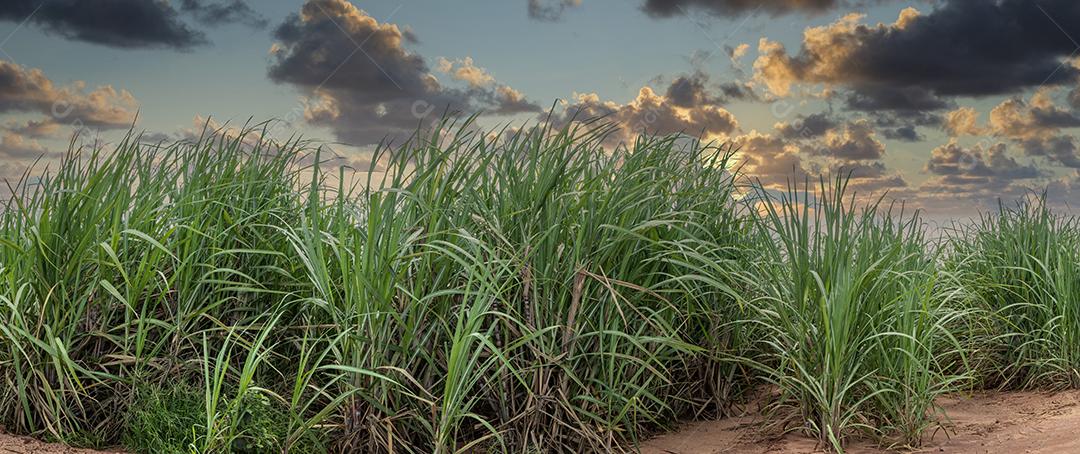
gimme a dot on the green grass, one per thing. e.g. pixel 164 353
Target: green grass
pixel 525 291
pixel 529 293
pixel 856 332
pixel 162 419
pixel 1021 265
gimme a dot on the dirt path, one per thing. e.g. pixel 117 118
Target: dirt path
pixel 1017 422
pixel 24 445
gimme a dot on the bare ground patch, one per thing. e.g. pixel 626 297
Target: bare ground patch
pixel 984 422
pixel 10 444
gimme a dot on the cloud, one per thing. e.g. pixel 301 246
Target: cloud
pixel 906 133
pixel 689 91
pixel 868 179
pixel 1059 149
pixel 128 23
pixel 737 53
pixel 962 122
pixel 852 149
pixel 214 14
pixel 974 177
pixel 36 129
pixel 464 70
pixel 819 145
pixel 696 89
pixel 16 147
pixel 875 97
pixel 729 8
pixel 652 113
pixel 989 162
pixel 807 126
pixel 118 23
pixel 1036 126
pixel 769 159
pixel 1036 117
pixel 901 126
pixel 1064 191
pixel 855 141
pixel 29 90
pixel 550 10
pixel 961 48
pixel 362 82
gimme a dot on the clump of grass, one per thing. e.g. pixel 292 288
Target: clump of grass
pixel 854 330
pixel 1022 264
pixel 530 291
pixel 164 419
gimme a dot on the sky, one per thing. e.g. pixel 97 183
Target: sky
pixel 949 105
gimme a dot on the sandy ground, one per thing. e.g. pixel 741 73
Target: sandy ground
pixel 23 445
pixel 1015 422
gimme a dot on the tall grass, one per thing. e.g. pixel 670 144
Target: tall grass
pixel 854 328
pixel 1022 264
pixel 522 292
pixel 514 291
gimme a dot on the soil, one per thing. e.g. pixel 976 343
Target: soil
pixel 980 423
pixel 25 445
pixel 990 422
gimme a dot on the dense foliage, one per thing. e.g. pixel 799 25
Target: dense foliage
pixel 529 291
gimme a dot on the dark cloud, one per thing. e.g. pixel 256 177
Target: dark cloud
pixel 688 91
pixel 214 14
pixel 808 126
pixel 867 178
pixel 116 23
pixel 967 178
pixel 961 48
pixel 1074 98
pixel 903 125
pixel 869 97
pixel 902 119
pixel 1054 117
pixel 550 10
pixel 693 90
pixel 855 141
pixel 728 8
pixel 127 23
pixel 904 134
pixel 736 91
pixel 1057 149
pixel 977 47
pixel 992 162
pixel 364 84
